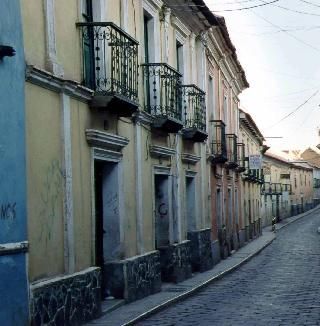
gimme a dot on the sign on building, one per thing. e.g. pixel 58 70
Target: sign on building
pixel 255 162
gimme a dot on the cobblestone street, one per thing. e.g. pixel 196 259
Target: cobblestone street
pixel 280 286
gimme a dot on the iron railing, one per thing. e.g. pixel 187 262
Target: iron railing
pixel 232 154
pixel 241 157
pixel 272 188
pixel 194 107
pixel 110 60
pixel 287 187
pixel 316 183
pixel 218 144
pixel 162 86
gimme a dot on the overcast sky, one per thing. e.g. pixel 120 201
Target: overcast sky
pixel 279 50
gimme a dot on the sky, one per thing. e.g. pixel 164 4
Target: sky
pixel 279 50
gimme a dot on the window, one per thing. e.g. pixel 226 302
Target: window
pixel 146 21
pixel 211 97
pixel 87 10
pixel 179 55
pixel 225 109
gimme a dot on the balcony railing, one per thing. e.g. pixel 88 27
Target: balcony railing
pixel 241 157
pixel 272 188
pixel 287 187
pixel 218 143
pixel 194 111
pixel 110 66
pixel 258 176
pixel 162 86
pixel 232 154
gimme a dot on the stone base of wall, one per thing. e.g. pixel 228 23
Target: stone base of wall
pixel 247 233
pixel 215 248
pixel 133 278
pixel 67 300
pixel 260 226
pixel 308 206
pixel 176 262
pixel 201 255
pixel 235 241
pixel 224 242
pixel 251 231
pixel 242 237
pixel 316 201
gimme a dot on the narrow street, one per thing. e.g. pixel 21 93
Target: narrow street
pixel 280 286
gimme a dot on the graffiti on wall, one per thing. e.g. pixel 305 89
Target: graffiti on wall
pixel 8 211
pixel 49 198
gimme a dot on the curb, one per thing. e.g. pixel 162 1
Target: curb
pixel 189 293
pixel 298 217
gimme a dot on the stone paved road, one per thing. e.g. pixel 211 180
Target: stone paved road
pixel 280 286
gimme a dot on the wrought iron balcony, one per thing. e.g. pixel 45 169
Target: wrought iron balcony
pixel 218 143
pixel 287 187
pixel 269 188
pixel 258 176
pixel 162 87
pixel 241 157
pixel 110 66
pixel 194 111
pixel 232 151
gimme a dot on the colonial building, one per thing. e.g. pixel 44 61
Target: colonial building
pixel 312 156
pixel 288 187
pixel 250 145
pixel 131 132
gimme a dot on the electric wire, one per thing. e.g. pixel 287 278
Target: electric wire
pixel 310 3
pixel 225 10
pixel 284 31
pixel 295 110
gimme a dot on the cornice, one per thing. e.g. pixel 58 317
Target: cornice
pixel 57 84
pixel 96 138
pixel 190 158
pixel 161 151
pixel 180 26
pixel 143 117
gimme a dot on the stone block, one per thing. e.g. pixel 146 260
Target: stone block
pixel 235 241
pixel 134 278
pixel 242 237
pixel 247 233
pixel 215 248
pixel 67 300
pixel 143 276
pixel 176 262
pixel 201 255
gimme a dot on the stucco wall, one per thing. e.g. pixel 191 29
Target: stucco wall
pixel 13 279
pixel 82 192
pixel 45 182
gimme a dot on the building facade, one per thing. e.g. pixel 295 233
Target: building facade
pixel 288 187
pixel 131 135
pixel 13 223
pixel 251 145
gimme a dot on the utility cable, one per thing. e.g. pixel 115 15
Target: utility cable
pixel 295 110
pixel 284 31
pixel 225 10
pixel 310 3
pixel 293 10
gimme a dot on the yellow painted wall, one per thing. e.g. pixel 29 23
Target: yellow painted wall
pixel 82 194
pixel 44 182
pixel 68 40
pixel 33 31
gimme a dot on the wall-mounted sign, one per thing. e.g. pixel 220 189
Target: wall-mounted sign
pixel 255 162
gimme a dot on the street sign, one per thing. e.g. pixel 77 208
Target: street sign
pixel 255 162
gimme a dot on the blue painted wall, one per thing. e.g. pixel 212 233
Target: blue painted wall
pixel 13 217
